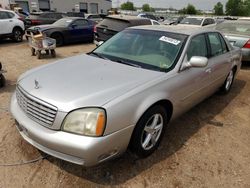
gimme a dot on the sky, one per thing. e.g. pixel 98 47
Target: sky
pixel 178 4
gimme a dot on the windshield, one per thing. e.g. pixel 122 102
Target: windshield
pixel 234 27
pixel 192 21
pixel 155 50
pixel 64 22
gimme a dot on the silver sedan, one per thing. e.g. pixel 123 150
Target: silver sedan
pixel 238 34
pixel 90 108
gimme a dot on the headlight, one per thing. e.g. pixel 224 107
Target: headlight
pixel 86 121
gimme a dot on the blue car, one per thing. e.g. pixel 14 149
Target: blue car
pixel 66 30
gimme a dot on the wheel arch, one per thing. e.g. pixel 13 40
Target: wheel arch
pixel 18 27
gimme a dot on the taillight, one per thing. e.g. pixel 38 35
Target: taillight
pixel 20 18
pixel 95 30
pixel 247 45
pixel 35 22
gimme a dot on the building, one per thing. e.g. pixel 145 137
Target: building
pixel 87 6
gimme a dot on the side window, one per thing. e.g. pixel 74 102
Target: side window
pixel 212 21
pixel 206 22
pixel 215 44
pixel 80 23
pixel 224 45
pixel 197 47
pixel 3 15
pixel 10 15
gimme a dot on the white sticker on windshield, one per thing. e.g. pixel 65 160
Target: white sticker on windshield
pixel 170 40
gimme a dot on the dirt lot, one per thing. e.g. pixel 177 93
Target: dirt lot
pixel 206 147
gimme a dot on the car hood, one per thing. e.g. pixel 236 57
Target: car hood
pixel 83 81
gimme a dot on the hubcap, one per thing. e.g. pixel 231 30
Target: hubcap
pixel 152 131
pixel 18 35
pixel 229 80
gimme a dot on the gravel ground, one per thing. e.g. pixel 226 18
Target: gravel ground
pixel 206 147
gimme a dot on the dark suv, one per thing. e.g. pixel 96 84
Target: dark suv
pixel 43 18
pixel 114 24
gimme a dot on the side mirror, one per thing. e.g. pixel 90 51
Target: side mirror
pixel 196 61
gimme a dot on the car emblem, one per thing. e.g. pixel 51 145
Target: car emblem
pixel 104 30
pixel 37 84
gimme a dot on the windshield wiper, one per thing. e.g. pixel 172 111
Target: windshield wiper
pixel 127 63
pixel 98 55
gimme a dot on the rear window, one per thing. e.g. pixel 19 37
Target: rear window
pixel 192 21
pixel 234 28
pixel 114 24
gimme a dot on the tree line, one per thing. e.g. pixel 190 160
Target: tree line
pixel 232 8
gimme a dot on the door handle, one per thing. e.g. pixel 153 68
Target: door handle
pixel 209 70
pixel 10 20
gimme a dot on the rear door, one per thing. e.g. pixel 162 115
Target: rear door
pixel 6 22
pixel 220 60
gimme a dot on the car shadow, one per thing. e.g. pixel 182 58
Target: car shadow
pixel 245 65
pixel 126 167
pixel 9 42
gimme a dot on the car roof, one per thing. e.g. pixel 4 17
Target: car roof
pixel 1 9
pixel 175 29
pixel 199 17
pixel 125 17
pixel 235 22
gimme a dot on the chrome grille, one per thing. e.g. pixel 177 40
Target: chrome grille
pixel 39 111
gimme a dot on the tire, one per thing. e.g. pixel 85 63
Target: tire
pixel 53 53
pixel 2 81
pixel 17 35
pixel 33 51
pixel 226 87
pixel 59 39
pixel 149 131
pixel 38 54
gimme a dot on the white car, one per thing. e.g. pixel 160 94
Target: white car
pixel 197 21
pixel 11 25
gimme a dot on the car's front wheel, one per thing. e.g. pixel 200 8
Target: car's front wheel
pixel 17 35
pixel 149 131
pixel 228 82
pixel 59 38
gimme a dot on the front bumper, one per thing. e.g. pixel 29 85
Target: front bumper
pixel 82 150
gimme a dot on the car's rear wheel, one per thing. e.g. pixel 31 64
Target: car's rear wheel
pixel 17 35
pixel 2 80
pixel 228 82
pixel 149 131
pixel 59 39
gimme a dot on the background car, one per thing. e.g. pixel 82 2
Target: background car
pixel 197 21
pixel 76 14
pixel 116 23
pixel 11 25
pixel 147 15
pixel 66 30
pixel 173 20
pixel 238 34
pixel 94 17
pixel 43 18
pixel 91 107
